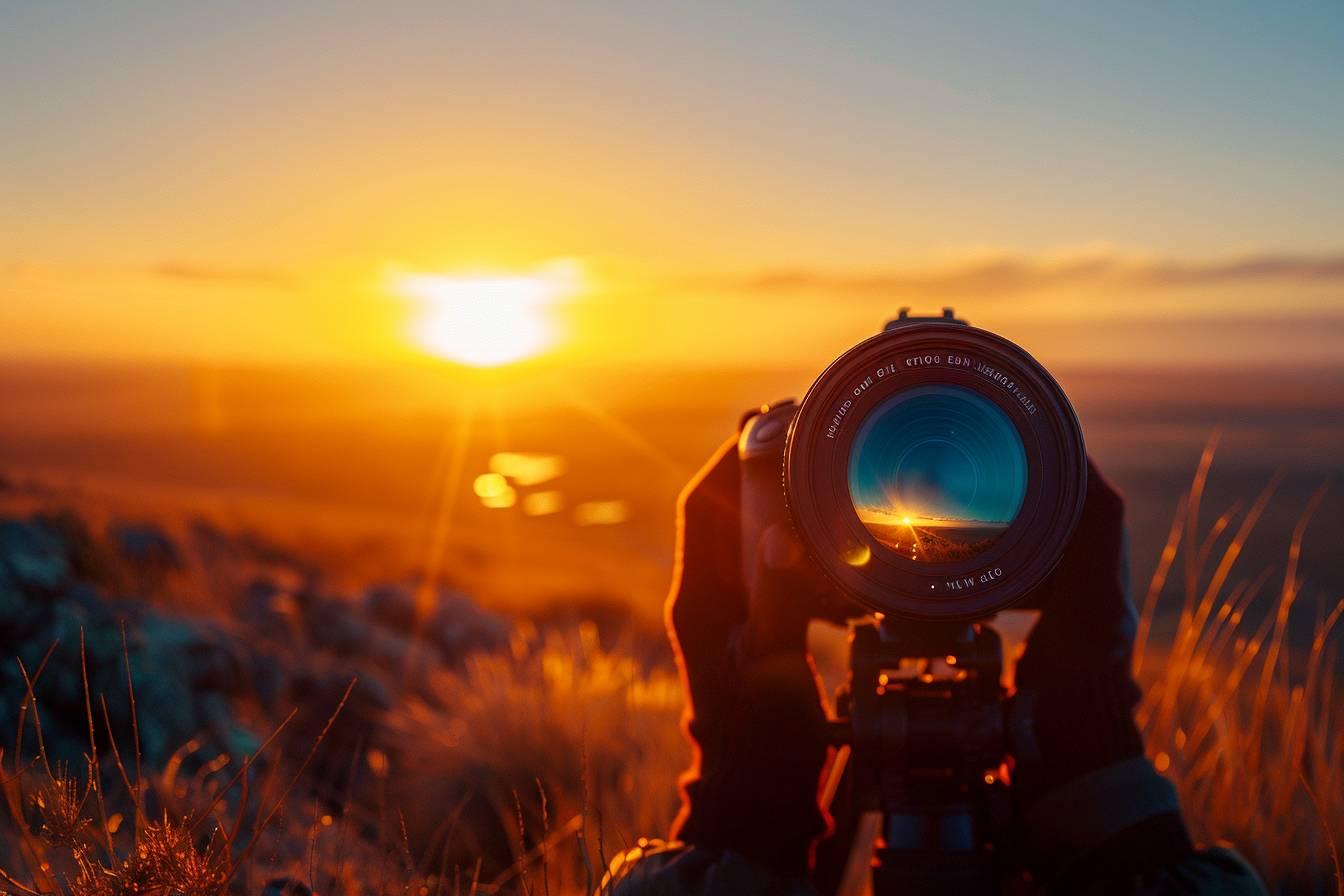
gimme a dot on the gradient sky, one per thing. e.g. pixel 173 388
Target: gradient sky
pixel 764 182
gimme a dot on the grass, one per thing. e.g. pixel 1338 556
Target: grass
pixel 527 770
pixel 1247 726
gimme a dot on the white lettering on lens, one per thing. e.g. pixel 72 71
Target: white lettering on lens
pixel 839 416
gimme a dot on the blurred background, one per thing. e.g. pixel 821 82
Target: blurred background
pixel 414 311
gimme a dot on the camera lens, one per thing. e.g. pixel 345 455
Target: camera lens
pixel 937 473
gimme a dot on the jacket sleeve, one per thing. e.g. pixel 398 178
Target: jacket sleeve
pixel 658 868
pixel 1115 831
pixel 1119 829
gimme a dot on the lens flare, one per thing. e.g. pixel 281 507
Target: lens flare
pixel 527 469
pixel 543 503
pixel 601 513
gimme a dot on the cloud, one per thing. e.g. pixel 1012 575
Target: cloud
pixel 230 276
pixel 1005 274
pixel 178 272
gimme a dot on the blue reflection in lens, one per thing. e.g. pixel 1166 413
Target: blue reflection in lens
pixel 937 473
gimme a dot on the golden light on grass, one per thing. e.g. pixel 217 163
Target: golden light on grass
pixel 485 320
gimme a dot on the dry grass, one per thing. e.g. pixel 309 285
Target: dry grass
pixel 528 773
pixel 1245 723
pixel 529 769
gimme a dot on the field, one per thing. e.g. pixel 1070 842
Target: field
pixel 944 543
pixel 512 719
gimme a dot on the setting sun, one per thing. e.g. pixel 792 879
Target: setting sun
pixel 485 320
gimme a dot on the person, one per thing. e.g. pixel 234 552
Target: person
pixel 1094 813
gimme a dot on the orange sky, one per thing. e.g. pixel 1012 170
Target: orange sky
pixel 250 184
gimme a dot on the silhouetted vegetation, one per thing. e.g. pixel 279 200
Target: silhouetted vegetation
pixel 331 743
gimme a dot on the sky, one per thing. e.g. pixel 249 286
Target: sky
pixel 1144 184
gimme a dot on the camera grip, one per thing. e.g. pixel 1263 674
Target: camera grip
pixel 760 451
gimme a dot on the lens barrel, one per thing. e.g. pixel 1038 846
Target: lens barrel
pixel 935 471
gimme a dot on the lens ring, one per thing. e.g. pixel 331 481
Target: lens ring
pixel 1010 404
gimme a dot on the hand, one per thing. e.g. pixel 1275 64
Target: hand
pixel 754 710
pixel 1076 665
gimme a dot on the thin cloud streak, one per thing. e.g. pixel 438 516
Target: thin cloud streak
pixel 1014 274
pixel 207 274
pixel 178 272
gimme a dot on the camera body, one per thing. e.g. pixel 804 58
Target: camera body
pixel 933 472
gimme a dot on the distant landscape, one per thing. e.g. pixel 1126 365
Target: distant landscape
pixel 930 539
pixel 471 570
pixel 373 469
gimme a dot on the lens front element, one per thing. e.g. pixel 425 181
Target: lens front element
pixel 937 473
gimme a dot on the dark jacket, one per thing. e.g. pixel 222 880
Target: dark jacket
pixel 1088 825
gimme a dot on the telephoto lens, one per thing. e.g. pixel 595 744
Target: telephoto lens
pixel 935 471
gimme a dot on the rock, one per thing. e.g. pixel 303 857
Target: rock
pixel 286 886
pixel 34 553
pixel 12 602
pixel 392 606
pixel 215 663
pixel 145 546
pixel 268 678
pixel 270 611
pixel 88 557
pixel 333 624
pixel 458 626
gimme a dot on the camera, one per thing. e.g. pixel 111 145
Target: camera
pixel 934 471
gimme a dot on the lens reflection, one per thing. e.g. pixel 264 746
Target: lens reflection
pixel 937 473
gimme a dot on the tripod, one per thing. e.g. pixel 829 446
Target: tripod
pixel 928 729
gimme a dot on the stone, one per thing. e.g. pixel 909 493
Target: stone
pixel 145 546
pixel 34 554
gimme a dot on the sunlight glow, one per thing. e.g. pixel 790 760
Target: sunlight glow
pixel 485 320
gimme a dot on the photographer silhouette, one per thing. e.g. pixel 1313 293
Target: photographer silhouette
pixel 1089 811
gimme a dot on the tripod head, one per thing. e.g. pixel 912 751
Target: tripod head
pixel 929 728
